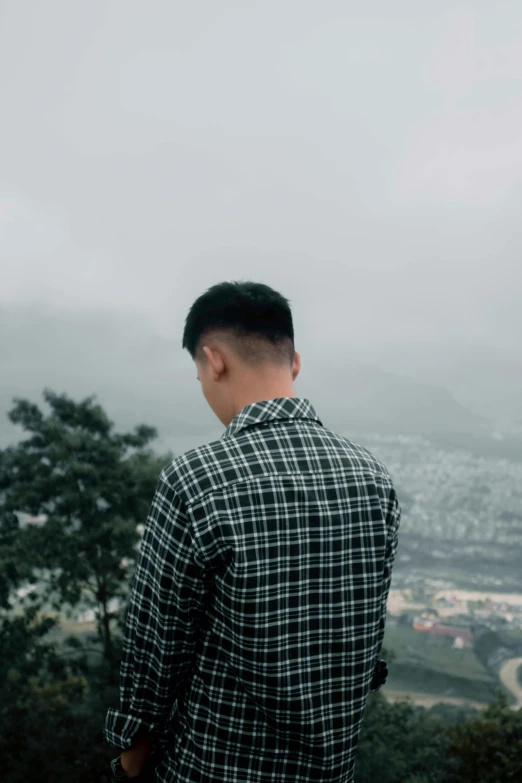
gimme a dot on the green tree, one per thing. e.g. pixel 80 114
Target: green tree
pixel 50 733
pixel 488 749
pixel 400 743
pixel 95 486
pixel 49 710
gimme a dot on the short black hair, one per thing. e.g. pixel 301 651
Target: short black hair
pixel 254 320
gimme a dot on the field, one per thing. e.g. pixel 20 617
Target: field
pixel 428 665
pixel 434 652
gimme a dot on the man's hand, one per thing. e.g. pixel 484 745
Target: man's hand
pixel 133 760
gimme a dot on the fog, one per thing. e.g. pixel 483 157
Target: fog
pixel 366 162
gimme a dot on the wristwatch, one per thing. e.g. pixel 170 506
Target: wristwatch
pixel 119 773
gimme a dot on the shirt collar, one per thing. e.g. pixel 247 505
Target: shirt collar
pixel 271 410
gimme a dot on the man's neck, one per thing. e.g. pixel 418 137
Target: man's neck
pixel 259 395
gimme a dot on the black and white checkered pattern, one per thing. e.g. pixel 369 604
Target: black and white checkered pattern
pixel 258 605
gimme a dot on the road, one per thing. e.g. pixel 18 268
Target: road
pixel 508 677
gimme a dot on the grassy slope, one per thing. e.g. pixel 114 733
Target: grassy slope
pixel 428 664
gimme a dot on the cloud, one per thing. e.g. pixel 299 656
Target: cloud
pixel 472 157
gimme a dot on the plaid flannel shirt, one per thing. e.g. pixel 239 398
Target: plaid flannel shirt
pixel 258 606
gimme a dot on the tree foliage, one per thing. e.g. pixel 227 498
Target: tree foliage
pixel 94 493
pixel 93 487
pixel 488 749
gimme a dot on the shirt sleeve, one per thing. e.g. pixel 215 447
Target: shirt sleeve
pixel 393 518
pixel 166 600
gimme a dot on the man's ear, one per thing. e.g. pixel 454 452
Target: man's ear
pixel 297 366
pixel 215 360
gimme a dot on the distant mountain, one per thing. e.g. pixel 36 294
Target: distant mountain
pixel 141 377
pixel 359 396
pixel 136 375
pixel 480 378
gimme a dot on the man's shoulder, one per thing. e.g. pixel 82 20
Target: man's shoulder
pixel 217 463
pixel 364 457
pixel 200 465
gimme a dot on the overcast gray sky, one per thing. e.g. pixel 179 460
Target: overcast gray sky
pixel 363 158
